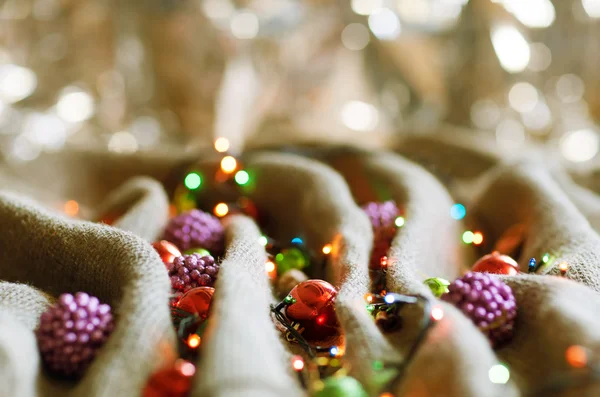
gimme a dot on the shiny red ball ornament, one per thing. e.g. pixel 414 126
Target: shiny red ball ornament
pixel 496 263
pixel 310 304
pixel 167 251
pixel 173 381
pixel 197 301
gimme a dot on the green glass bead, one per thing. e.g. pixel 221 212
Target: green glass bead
pixel 290 258
pixel 289 300
pixel 343 386
pixel 200 251
pixel 438 286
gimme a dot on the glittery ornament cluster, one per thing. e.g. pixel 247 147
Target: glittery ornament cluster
pixel 72 331
pixel 488 302
pixel 196 229
pixel 191 271
pixel 382 217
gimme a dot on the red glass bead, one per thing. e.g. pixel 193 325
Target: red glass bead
pixel 496 263
pixel 174 381
pixel 313 309
pixel 197 301
pixel 167 251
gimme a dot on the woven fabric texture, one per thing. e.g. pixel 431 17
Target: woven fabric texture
pixel 43 254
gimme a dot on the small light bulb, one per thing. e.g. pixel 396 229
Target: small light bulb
pixel 221 209
pixel 327 249
pixel 369 298
pixel 576 356
pixel 399 221
pixel 563 267
pixel 193 341
pixel 71 207
pixel 242 177
pixel 221 145
pixel 468 236
pixel 228 164
pixel 192 181
pixel 333 351
pixel 383 261
pixel 263 240
pixel 321 319
pixel 297 363
pixel 269 266
pixel 477 238
pixel 437 313
pixel 389 299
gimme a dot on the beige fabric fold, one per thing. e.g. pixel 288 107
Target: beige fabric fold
pixel 141 206
pixel 527 194
pixel 303 196
pixel 553 314
pixel 19 359
pixel 455 356
pixel 58 255
pixel 242 354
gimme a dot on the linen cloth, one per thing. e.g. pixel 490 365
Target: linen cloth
pixel 318 196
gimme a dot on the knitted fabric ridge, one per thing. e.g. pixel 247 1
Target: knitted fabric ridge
pixel 43 254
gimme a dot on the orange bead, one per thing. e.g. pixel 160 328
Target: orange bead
pixel 167 251
pixel 496 263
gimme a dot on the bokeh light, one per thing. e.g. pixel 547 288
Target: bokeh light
pixel 581 145
pixel 384 24
pixel 355 36
pixel 499 374
pixel 359 116
pixel 511 48
pixel 193 181
pixel 458 211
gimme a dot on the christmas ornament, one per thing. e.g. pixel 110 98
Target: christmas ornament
pixel 341 386
pixel 191 271
pixel 174 381
pixel 291 258
pixel 383 220
pixel 72 331
pixel 289 280
pixel 496 263
pixel 197 301
pixel 438 286
pixel 196 229
pixel 488 302
pixel 167 251
pixel 310 307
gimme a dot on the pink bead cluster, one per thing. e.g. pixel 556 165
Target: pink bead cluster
pixel 191 271
pixel 196 229
pixel 383 217
pixel 71 332
pixel 487 301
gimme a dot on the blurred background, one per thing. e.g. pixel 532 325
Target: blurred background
pixel 164 75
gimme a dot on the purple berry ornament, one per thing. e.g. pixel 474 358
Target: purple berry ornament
pixel 72 331
pixel 383 220
pixel 191 271
pixel 196 229
pixel 488 302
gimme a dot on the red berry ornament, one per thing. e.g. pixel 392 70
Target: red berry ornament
pixel 174 381
pixel 310 304
pixel 496 263
pixel 197 301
